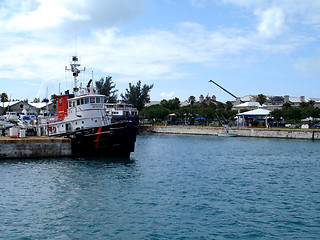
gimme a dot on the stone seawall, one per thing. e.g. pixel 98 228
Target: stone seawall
pixel 242 132
pixel 34 147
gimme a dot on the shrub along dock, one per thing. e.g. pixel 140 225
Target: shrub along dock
pixel 311 134
pixel 34 147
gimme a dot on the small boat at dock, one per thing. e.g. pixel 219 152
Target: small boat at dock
pixel 227 132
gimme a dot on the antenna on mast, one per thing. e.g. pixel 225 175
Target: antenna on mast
pixel 74 64
pixel 75 42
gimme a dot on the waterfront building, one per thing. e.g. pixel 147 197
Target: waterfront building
pixel 249 102
pixel 15 106
pixel 26 107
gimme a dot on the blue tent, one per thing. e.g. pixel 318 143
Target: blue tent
pixel 201 118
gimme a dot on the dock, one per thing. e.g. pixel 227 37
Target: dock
pixel 307 134
pixel 34 147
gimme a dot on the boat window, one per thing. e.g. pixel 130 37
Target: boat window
pixel 82 101
pixel 78 102
pixel 86 100
pixel 73 103
pixel 97 100
pixel 60 101
pixel 92 100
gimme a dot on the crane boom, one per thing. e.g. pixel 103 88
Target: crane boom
pixel 224 89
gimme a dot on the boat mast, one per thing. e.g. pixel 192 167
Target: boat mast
pixel 74 68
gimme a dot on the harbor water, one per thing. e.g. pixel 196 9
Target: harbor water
pixel 173 187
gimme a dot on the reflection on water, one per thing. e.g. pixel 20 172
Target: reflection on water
pixel 193 187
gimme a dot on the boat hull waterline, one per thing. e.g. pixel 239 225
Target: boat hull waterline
pixel 227 134
pixel 114 140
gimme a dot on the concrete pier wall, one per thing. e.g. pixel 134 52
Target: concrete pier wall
pixel 245 132
pixel 36 147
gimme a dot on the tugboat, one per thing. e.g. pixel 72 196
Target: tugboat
pixel 82 118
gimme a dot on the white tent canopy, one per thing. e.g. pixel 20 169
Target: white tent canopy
pixel 257 113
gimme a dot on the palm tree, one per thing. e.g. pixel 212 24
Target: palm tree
pixel 261 99
pixel 4 97
pixel 191 100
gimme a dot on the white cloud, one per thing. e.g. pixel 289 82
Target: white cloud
pixel 272 22
pixel 295 11
pixel 39 36
pixel 154 55
pixel 30 15
pixel 166 95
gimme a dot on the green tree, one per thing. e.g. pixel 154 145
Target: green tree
pixel 54 98
pixel 293 113
pixel 175 103
pixel 303 105
pixel 136 95
pixel 261 99
pixel 310 112
pixel 286 106
pixel 228 106
pixel 4 97
pixel 36 100
pixel 311 103
pixel 106 87
pixel 172 104
pixel 192 100
pixel 46 100
pixel 154 111
pixel 164 103
pixel 277 114
pixel 220 105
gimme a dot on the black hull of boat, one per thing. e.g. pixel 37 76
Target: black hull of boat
pixel 115 140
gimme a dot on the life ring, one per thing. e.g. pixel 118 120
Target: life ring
pixel 54 129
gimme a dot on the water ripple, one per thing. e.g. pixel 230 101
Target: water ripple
pixel 173 187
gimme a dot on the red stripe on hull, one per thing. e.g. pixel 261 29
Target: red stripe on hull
pixel 98 137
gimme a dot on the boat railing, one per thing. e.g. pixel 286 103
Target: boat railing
pixel 47 120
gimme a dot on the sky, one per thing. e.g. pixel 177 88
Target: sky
pixel 268 47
